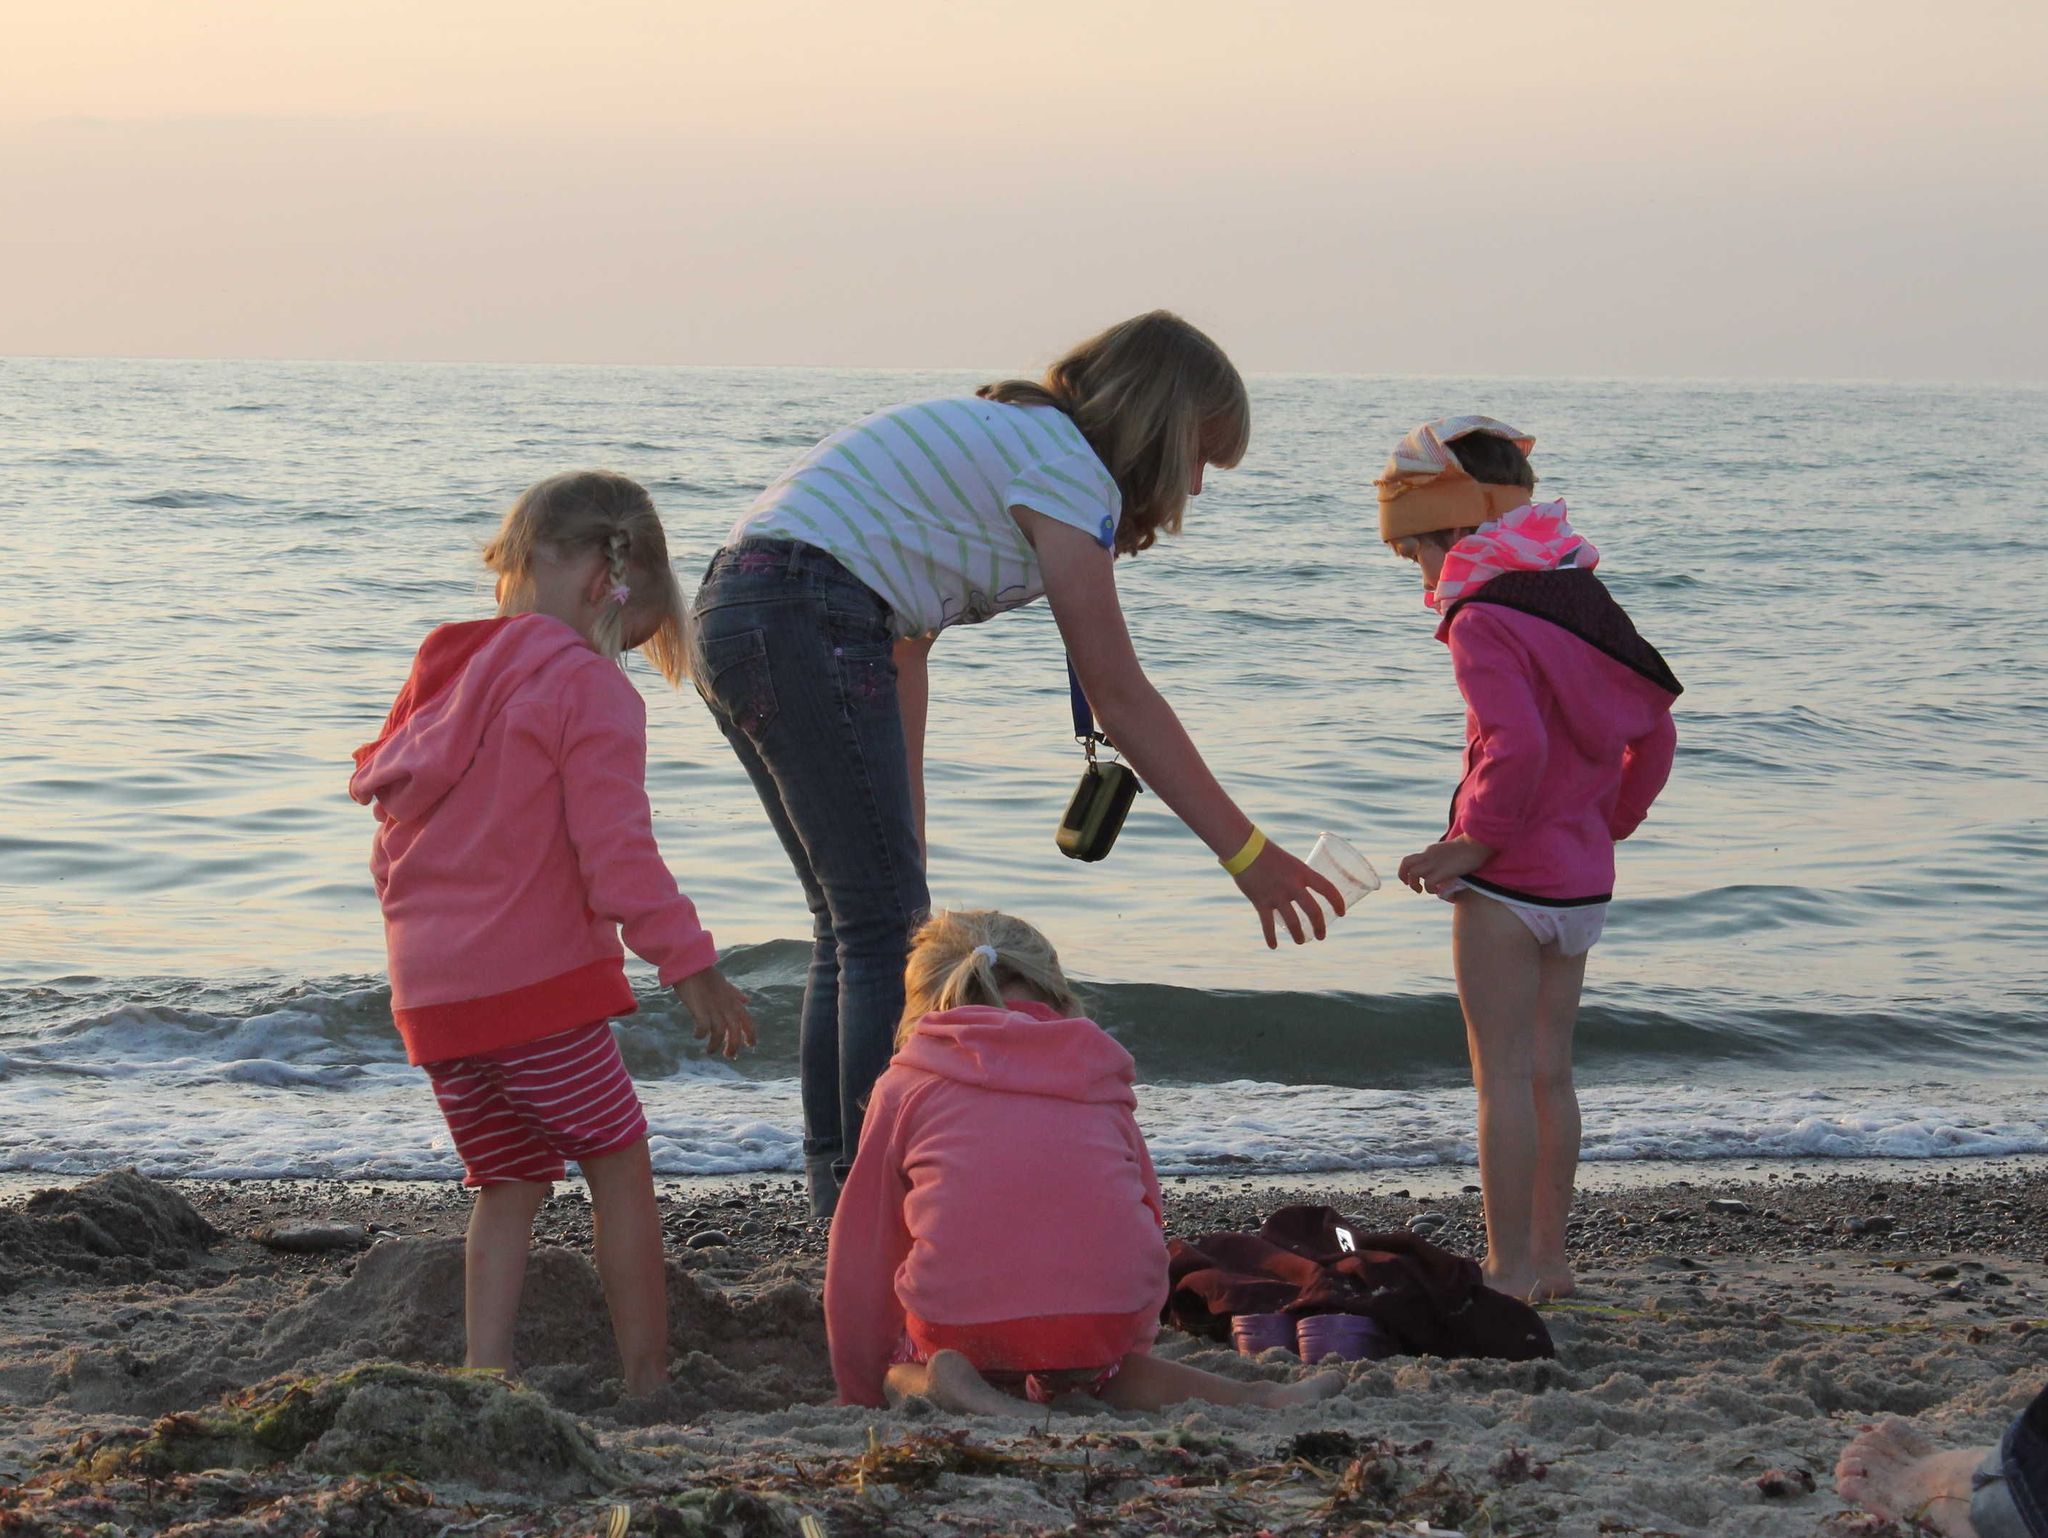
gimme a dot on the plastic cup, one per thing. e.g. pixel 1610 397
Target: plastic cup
pixel 1350 871
pixel 1253 1334
pixel 1347 1337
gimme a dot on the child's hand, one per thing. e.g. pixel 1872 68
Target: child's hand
pixel 1440 864
pixel 719 1012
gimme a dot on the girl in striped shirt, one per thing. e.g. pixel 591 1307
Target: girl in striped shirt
pixel 815 620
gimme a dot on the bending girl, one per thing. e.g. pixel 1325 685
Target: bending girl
pixel 814 622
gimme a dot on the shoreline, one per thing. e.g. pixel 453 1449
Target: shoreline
pixel 1710 1367
pixel 1430 1180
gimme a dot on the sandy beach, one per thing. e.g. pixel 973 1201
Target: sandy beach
pixel 163 1371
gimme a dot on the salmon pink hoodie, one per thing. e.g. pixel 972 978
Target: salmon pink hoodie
pixel 513 839
pixel 1001 1176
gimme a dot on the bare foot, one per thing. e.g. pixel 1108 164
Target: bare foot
pixel 1896 1471
pixel 949 1381
pixel 1516 1284
pixel 1286 1396
pixel 1558 1283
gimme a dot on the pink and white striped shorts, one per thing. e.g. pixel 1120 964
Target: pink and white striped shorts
pixel 521 1112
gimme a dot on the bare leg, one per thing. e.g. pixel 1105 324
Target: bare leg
pixel 1896 1471
pixel 1147 1383
pixel 626 1225
pixel 1499 966
pixel 494 1268
pixel 949 1381
pixel 1557 1120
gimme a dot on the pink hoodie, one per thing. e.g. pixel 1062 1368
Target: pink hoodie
pixel 513 839
pixel 1565 749
pixel 1001 1176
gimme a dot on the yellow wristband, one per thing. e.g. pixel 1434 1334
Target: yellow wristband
pixel 1241 862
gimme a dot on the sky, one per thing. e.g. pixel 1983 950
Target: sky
pixel 1799 188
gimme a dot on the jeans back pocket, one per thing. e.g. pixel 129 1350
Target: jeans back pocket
pixel 733 676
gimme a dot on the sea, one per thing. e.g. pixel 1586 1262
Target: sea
pixel 1830 940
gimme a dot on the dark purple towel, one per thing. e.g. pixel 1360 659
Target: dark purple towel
pixel 1308 1260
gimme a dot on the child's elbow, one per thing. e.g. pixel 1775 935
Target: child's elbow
pixel 1627 818
pixel 1120 701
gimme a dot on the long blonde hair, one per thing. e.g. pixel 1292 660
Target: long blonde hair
pixel 597 510
pixel 979 956
pixel 1149 394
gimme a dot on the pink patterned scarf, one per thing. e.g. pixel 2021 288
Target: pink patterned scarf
pixel 1533 537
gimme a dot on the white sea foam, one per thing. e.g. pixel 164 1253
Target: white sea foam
pixel 266 1119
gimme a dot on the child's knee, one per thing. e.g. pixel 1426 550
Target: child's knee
pixel 513 1195
pixel 1513 1078
pixel 623 1163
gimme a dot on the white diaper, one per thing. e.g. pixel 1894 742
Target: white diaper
pixel 1571 930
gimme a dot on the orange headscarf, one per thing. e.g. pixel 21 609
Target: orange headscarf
pixel 1424 488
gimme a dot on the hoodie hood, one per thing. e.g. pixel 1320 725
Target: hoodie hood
pixel 1023 1049
pixel 1576 601
pixel 463 677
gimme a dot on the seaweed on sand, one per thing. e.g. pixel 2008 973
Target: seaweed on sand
pixel 1179 1481
pixel 1185 1481
pixel 376 1419
pixel 221 1505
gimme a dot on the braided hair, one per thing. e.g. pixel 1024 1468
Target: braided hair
pixel 608 514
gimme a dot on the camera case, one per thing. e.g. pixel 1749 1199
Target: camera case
pixel 1096 814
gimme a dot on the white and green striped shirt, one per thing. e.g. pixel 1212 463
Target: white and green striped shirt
pixel 915 502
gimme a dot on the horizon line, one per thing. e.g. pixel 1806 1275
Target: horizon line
pixel 1950 382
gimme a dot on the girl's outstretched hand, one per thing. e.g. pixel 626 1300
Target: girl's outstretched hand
pixel 718 1011
pixel 1277 883
pixel 1440 864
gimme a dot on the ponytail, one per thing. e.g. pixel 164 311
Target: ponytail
pixel 979 956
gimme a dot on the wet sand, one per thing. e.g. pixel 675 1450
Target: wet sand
pixel 160 1370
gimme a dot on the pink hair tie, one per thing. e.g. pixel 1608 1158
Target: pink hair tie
pixel 620 594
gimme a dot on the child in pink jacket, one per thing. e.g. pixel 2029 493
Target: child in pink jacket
pixel 999 1238
pixel 513 842
pixel 1568 740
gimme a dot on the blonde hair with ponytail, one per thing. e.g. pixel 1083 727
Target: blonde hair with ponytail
pixel 598 511
pixel 979 956
pixel 1150 394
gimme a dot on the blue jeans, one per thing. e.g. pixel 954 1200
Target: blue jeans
pixel 2010 1495
pixel 794 655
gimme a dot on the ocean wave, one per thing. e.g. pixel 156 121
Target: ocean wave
pixel 178 499
pixel 1179 1035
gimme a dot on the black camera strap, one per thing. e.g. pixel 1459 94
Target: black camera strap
pixel 1084 718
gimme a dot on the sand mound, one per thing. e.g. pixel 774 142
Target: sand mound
pixel 119 1226
pixel 750 1353
pixel 404 1302
pixel 469 1427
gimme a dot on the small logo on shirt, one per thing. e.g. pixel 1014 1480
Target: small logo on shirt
pixel 1108 534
